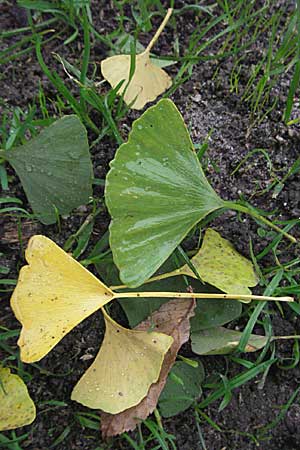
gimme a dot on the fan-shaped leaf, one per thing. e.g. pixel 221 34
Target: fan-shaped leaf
pixel 156 192
pixel 17 409
pixel 219 264
pixel 55 168
pixel 148 80
pixel 173 319
pixel 127 364
pixel 54 293
pixel 147 83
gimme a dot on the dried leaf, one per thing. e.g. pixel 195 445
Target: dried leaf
pixel 128 362
pixel 17 409
pixel 173 319
pixel 148 80
pixel 147 83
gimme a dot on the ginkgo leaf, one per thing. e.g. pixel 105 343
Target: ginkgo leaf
pixel 219 264
pixel 173 319
pixel 55 168
pixel 128 362
pixel 147 83
pixel 214 312
pixel 221 341
pixel 156 192
pixel 183 387
pixel 17 409
pixel 148 80
pixel 54 293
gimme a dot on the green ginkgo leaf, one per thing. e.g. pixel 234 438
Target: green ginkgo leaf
pixel 17 409
pixel 156 191
pixel 214 312
pixel 183 387
pixel 55 169
pixel 221 341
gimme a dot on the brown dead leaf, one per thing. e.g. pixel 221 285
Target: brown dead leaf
pixel 172 318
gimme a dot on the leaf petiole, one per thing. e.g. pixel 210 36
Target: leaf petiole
pixel 159 31
pixel 244 209
pixel 201 295
pixel 162 276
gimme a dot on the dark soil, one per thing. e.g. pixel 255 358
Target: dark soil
pixel 205 102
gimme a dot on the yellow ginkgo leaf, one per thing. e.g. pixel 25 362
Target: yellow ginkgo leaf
pixel 54 294
pixel 17 409
pixel 219 264
pixel 127 364
pixel 148 80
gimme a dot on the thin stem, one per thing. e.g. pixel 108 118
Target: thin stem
pixel 160 29
pixel 201 295
pixel 277 338
pixel 162 276
pixel 262 219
